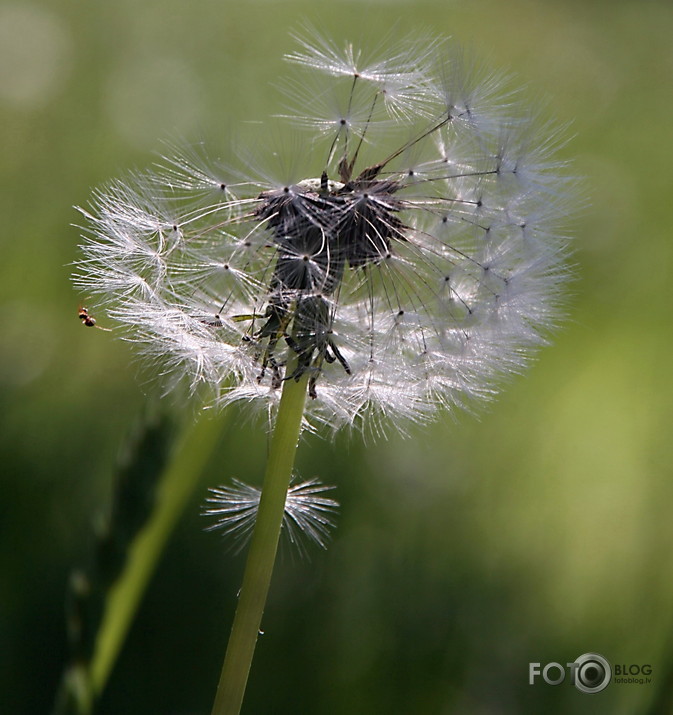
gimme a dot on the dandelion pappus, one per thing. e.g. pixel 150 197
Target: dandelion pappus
pixel 406 258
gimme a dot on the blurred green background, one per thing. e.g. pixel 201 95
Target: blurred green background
pixel 538 532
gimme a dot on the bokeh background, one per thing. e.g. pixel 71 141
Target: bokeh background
pixel 537 532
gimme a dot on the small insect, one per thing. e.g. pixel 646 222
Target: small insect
pixel 89 320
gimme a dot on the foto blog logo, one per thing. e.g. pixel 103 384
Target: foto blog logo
pixel 590 673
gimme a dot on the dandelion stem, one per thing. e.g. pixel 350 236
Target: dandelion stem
pixel 262 554
pixel 177 485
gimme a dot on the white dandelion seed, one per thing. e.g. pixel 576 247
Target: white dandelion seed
pixel 417 260
pixel 309 514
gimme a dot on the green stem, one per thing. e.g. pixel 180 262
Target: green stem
pixel 177 485
pixel 262 554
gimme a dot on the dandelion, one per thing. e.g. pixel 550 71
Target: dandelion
pixel 421 263
pixel 408 257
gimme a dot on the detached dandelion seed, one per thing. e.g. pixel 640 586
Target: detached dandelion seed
pixel 417 260
pixel 309 514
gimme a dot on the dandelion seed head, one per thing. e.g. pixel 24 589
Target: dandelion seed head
pixel 422 262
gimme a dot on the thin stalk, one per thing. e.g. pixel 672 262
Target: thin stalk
pixel 263 547
pixel 177 485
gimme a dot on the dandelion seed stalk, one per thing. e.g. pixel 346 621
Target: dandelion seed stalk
pixel 262 554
